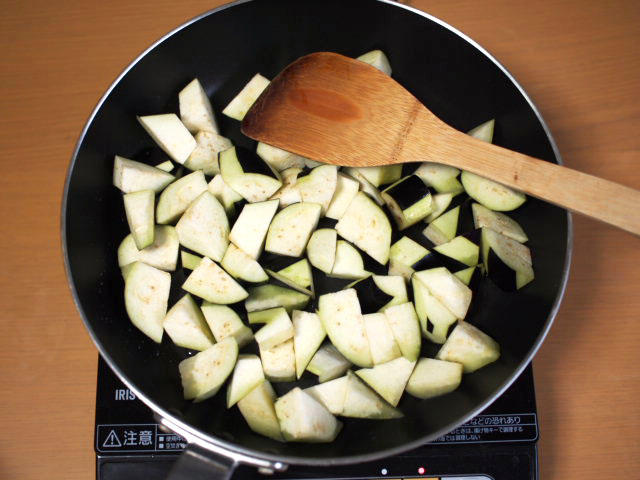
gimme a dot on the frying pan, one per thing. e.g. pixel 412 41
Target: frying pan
pixel 458 80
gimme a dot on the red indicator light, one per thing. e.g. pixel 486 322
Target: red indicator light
pixel 421 471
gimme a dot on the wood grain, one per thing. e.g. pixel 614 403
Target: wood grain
pixel 579 61
pixel 338 110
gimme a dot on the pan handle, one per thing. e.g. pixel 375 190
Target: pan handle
pixel 196 463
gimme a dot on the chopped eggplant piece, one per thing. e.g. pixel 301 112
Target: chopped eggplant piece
pixel 469 276
pixel 299 273
pixel 203 374
pixel 250 229
pixel 277 330
pixel 287 282
pixel 392 285
pixel 447 289
pixel 162 253
pixel 131 176
pixel 247 174
pixel 346 190
pixel 146 293
pixel 308 334
pixel 365 185
pixel 498 222
pixel 165 166
pixel 319 186
pixel 139 208
pixel 381 340
pixel 204 227
pixel 455 221
pixel 186 326
pixel 189 260
pixel 224 194
pixel 409 201
pixel 291 228
pixel 321 249
pixel 432 378
pixel 406 330
pixel 258 409
pixel 170 134
pixel 484 131
pixel 279 362
pixel 205 156
pixel 348 262
pixel 328 363
pixel 279 159
pixel 470 347
pixel 403 255
pixel 304 419
pixel 288 193
pixel 270 296
pixel 177 197
pixel 362 402
pixel 366 226
pixel 462 250
pixel 242 266
pixel 436 321
pixel 247 375
pixel 212 283
pixel 224 322
pixel 492 195
pixel 506 261
pixel 195 108
pixel 377 59
pixel 381 175
pixel 241 103
pixel 441 202
pixel 342 320
pixel 388 379
pixel 441 177
pixel 331 394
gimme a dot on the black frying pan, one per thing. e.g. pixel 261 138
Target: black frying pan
pixel 451 75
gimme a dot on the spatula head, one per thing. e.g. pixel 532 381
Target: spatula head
pixel 334 109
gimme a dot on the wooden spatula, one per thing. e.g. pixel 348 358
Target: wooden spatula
pixel 338 110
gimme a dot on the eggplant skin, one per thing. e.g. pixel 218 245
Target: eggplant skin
pixel 250 162
pixel 498 271
pixel 408 192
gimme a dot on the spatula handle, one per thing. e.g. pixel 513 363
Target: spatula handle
pixel 579 192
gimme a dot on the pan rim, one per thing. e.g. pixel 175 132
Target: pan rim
pixel 263 459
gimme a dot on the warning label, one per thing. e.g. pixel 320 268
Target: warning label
pixel 136 438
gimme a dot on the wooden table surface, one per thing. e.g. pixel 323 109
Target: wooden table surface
pixel 578 59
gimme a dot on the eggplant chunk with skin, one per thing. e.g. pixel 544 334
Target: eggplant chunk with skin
pixel 166 166
pixel 366 226
pixel 288 193
pixel 379 292
pixel 365 185
pixel 457 220
pixel 258 409
pixel 139 209
pixel 161 254
pixel 442 178
pixel 204 373
pixel 441 202
pixel 436 321
pixel 498 222
pixel 247 174
pixel 319 186
pixel 279 362
pixel 381 340
pixel 377 59
pixel 447 289
pixel 404 255
pixel 342 320
pixel 205 156
pixel 470 347
pixel 492 195
pixel 381 175
pixel 224 194
pixel 308 334
pixel 346 190
pixel 462 250
pixel 189 260
pixel 247 375
pixel 331 394
pixel 506 261
pixel 304 419
pixel 131 176
pixel 279 159
pixel 328 363
pixel 406 330
pixel 277 330
pixel 348 262
pixel 242 266
pixel 432 378
pixel 409 201
pixel 362 402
